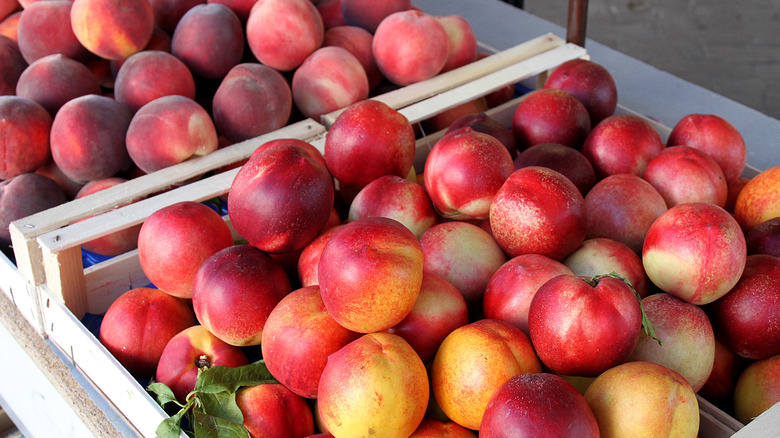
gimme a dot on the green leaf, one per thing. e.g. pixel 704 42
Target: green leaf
pixel 223 405
pixel 171 427
pixel 162 393
pixel 209 426
pixel 220 378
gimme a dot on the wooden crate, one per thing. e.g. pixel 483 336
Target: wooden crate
pixel 54 289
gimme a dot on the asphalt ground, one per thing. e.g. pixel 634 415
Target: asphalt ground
pixel 729 47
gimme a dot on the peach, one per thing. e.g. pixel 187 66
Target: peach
pixel 270 26
pixel 439 309
pixel 370 273
pixel 12 64
pixel 622 143
pixel 356 41
pixel 118 242
pixel 330 78
pixel 53 80
pixel 726 368
pixel 433 428
pixel 462 41
pixel 169 130
pixel 695 251
pixel 112 29
pixel 643 399
pixel 241 8
pixel 309 259
pixel 9 27
pixel 24 195
pixel 209 39
pixel 272 409
pixel 298 337
pixel 307 147
pixel 70 186
pixel 482 122
pixel 734 189
pixel 45 29
pixel 687 336
pixel 88 138
pixel 463 172
pixel 175 240
pixel 387 393
pixel 251 100
pixel 235 290
pixel 599 256
pixel 564 159
pixel 759 200
pixel 330 11
pixel 538 210
pixel 369 139
pixel 757 389
pixel 410 46
pixel 369 15
pixel 445 119
pixel 281 199
pixel 538 404
pixel 7 7
pixel 189 351
pixel 714 136
pixel 746 317
pixel 463 254
pixel 160 40
pixel 138 325
pixel 397 198
pixel 167 13
pixel 685 174
pixel 590 82
pixel 24 145
pixel 151 74
pixel 550 116
pixel 473 362
pixel 764 238
pixel 622 207
pixel 511 288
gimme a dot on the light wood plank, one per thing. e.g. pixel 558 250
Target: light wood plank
pixel 419 91
pixel 106 373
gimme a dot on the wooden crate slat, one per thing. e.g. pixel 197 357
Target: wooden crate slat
pixel 65 278
pixel 419 91
pixel 16 287
pixel 105 372
pixel 106 280
pixel 491 82
pixel 714 423
pixel 25 230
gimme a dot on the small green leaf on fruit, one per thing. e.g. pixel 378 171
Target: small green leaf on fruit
pixel 221 378
pixel 170 427
pixel 162 393
pixel 647 325
pixel 209 426
pixel 223 405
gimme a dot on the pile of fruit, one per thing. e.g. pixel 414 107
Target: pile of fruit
pixel 570 274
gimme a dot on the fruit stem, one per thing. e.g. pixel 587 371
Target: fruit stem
pixel 203 362
pixel 647 325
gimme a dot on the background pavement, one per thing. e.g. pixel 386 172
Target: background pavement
pixel 729 47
